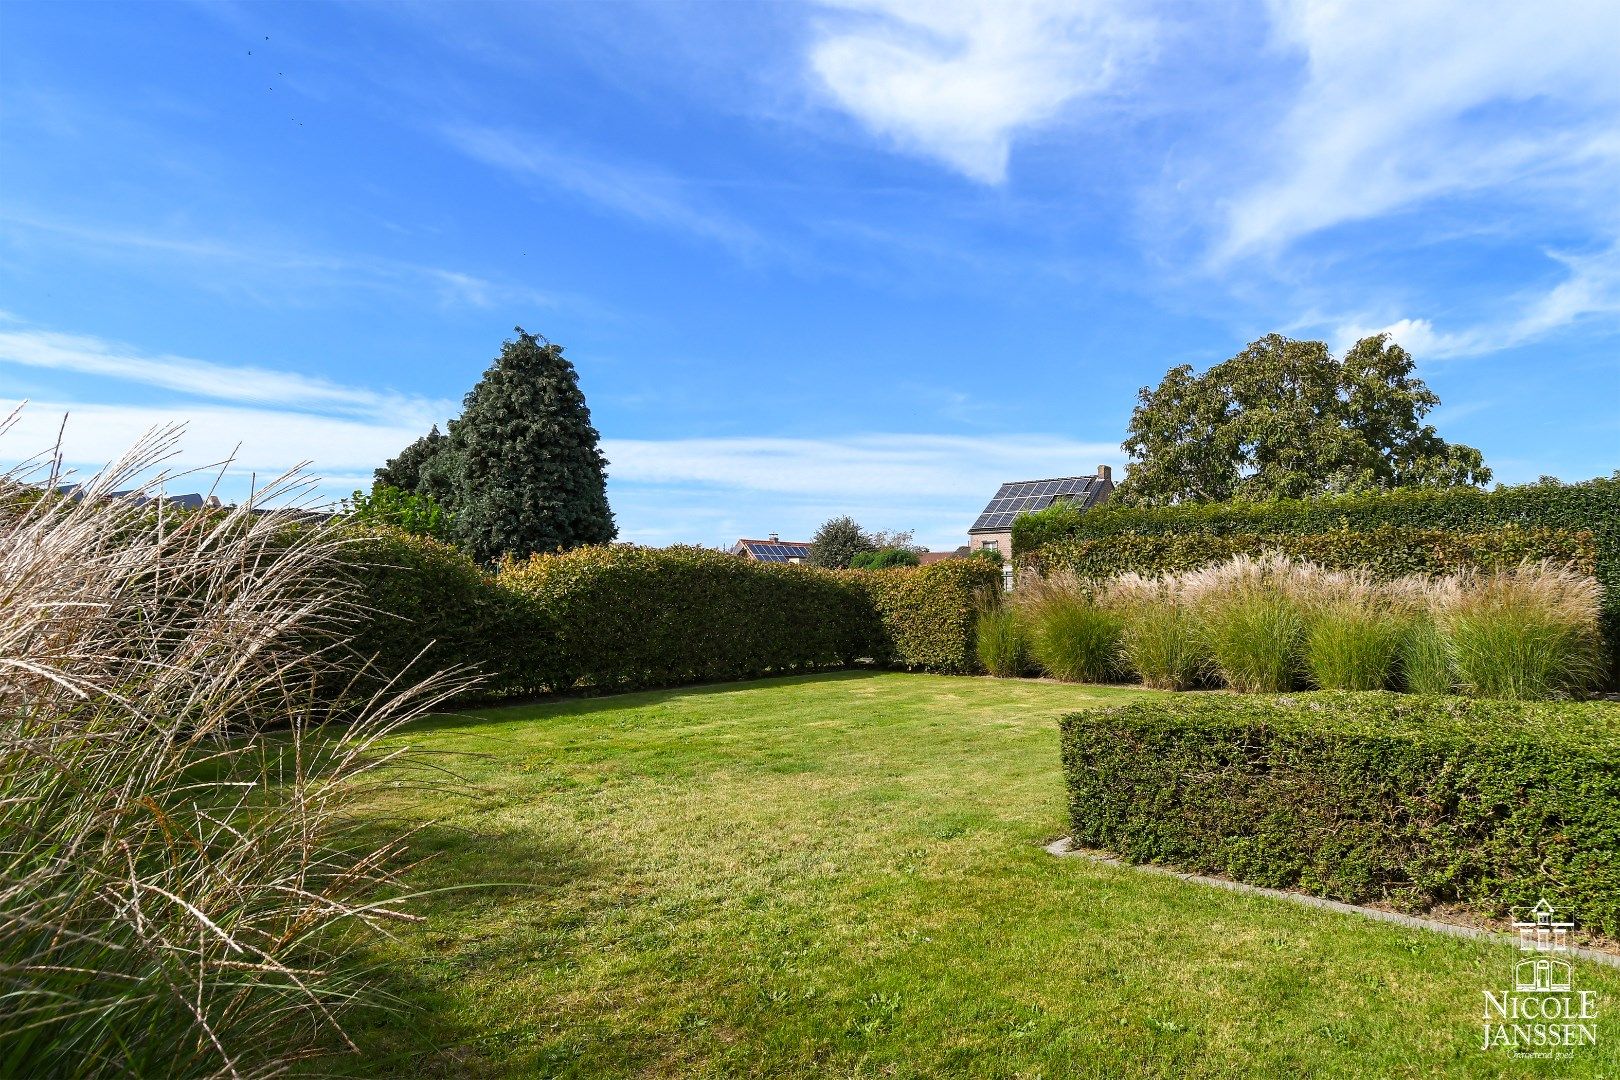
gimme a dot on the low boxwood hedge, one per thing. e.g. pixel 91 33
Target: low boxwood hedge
pixel 1371 796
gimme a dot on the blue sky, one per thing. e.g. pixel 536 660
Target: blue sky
pixel 868 257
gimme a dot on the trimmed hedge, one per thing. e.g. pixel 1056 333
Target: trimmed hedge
pixel 624 617
pixel 1362 796
pixel 1539 511
pixel 1388 551
pixel 632 617
pixel 927 615
pixel 428 603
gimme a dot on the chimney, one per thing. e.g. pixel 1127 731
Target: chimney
pixel 775 538
pixel 1105 472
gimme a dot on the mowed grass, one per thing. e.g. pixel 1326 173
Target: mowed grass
pixel 842 875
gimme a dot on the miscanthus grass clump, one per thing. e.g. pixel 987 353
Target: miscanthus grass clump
pixel 1159 638
pixel 180 875
pixel 1251 617
pixel 1072 636
pixel 1525 633
pixel 1001 641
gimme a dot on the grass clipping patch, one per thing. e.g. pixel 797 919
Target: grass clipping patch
pixel 1362 796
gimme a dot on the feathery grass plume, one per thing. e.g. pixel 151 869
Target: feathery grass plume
pixel 180 871
pixel 1530 632
pixel 1251 616
pixel 1000 639
pixel 1159 639
pixel 1071 636
pixel 1355 631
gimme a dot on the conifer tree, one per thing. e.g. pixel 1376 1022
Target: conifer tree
pixel 523 458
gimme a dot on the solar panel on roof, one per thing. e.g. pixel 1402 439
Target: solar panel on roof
pixel 1026 496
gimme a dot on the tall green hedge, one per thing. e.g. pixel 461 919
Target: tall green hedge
pixel 1374 796
pixel 927 615
pixel 635 617
pixel 1584 513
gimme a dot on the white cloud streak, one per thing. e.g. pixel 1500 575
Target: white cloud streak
pixel 1406 102
pixel 959 81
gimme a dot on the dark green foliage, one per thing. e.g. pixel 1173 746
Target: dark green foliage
pixel 406 472
pixel 1284 419
pixel 883 559
pixel 927 614
pixel 417 514
pixel 528 475
pixel 1575 523
pixel 837 542
pixel 1368 796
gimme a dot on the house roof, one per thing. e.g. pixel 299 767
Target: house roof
pixel 772 550
pixel 1024 496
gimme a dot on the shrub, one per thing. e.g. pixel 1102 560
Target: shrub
pixel 1001 642
pixel 629 617
pixel 411 512
pixel 926 615
pixel 1159 640
pixel 1414 800
pixel 1530 633
pixel 1252 622
pixel 180 877
pixel 1573 523
pixel 1072 636
pixel 883 559
pixel 1354 636
pixel 430 605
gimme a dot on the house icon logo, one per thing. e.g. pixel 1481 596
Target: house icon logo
pixel 1543 1015
pixel 1541 935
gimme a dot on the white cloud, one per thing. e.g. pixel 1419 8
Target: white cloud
pixel 1591 289
pixel 1404 102
pixel 958 80
pixel 94 356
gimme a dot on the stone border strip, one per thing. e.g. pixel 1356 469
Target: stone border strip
pixel 1064 848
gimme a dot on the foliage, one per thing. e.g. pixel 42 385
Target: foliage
pixel 1355 644
pixel 1416 800
pixel 1001 642
pixel 1071 636
pixel 989 555
pixel 182 881
pixel 408 511
pixel 530 478
pixel 1575 523
pixel 1251 620
pixel 430 605
pixel 883 559
pixel 411 469
pixel 927 613
pixel 904 539
pixel 1528 634
pixel 1284 419
pixel 837 542
pixel 1159 638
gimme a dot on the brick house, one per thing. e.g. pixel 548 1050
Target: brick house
pixel 993 529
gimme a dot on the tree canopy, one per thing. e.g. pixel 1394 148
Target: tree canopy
pixel 1285 419
pixel 838 541
pixel 520 471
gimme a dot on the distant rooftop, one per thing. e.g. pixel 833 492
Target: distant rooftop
pixel 773 550
pixel 1026 496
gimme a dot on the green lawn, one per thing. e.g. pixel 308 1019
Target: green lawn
pixel 842 875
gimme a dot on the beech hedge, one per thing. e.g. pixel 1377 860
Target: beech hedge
pixel 1539 520
pixel 623 617
pixel 1362 796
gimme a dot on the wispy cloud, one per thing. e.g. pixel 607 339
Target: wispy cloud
pixel 84 354
pixel 1590 290
pixel 959 81
pixel 1403 103
pixel 640 194
pixel 269 270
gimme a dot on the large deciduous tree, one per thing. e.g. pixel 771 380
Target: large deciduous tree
pixel 1285 419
